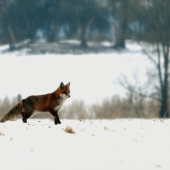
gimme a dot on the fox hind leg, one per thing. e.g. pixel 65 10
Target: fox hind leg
pixel 25 116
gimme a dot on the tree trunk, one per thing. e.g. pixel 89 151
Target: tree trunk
pixel 52 33
pixel 164 111
pixel 120 33
pixel 31 33
pixel 83 36
pixel 11 38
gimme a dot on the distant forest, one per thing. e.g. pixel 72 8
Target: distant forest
pixel 98 20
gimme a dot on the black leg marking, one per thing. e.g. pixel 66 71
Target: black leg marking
pixel 25 116
pixel 56 118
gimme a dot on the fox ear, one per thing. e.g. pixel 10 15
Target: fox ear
pixel 68 84
pixel 61 85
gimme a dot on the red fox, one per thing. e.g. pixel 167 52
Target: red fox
pixel 51 102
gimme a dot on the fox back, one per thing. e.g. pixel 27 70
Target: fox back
pixel 47 102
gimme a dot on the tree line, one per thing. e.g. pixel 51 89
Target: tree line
pixel 24 19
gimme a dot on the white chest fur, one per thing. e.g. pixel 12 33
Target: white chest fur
pixel 60 102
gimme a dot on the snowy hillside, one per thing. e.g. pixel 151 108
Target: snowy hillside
pixel 92 145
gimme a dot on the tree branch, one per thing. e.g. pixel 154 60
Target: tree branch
pixel 147 54
pixel 139 93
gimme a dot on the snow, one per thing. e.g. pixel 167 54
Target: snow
pixel 121 144
pixel 93 77
pixel 96 144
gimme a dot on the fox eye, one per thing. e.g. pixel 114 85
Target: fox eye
pixel 66 92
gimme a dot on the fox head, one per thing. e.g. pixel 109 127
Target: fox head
pixel 65 90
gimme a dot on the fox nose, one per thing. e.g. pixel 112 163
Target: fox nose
pixel 68 96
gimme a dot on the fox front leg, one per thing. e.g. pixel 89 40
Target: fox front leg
pixel 56 118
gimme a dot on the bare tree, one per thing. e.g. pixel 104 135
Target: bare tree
pixel 158 35
pixel 125 13
pixel 6 14
pixel 120 9
pixel 85 13
pixel 54 11
pixel 158 22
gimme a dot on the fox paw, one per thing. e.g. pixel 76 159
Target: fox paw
pixel 57 122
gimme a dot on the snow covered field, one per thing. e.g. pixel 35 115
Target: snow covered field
pixel 93 77
pixel 121 144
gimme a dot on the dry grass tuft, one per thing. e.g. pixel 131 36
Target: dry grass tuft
pixel 68 129
pixel 2 134
pixel 105 128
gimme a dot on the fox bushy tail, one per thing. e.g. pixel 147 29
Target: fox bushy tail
pixel 15 111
